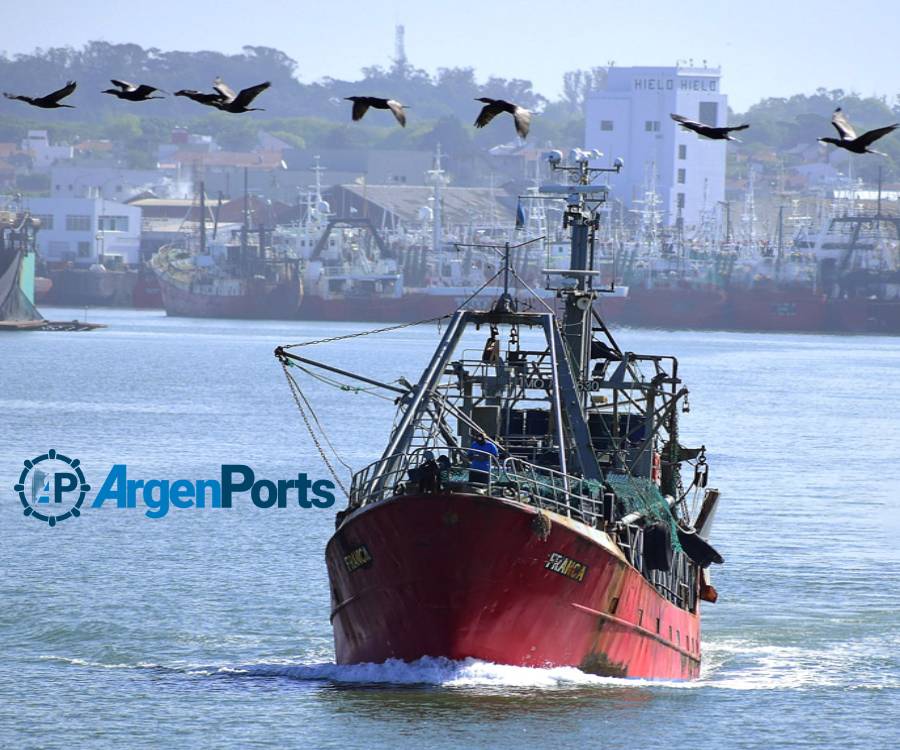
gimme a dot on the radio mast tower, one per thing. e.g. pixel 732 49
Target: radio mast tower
pixel 400 62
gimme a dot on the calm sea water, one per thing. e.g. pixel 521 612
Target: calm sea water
pixel 210 629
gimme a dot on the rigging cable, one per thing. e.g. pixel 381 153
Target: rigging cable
pixel 300 399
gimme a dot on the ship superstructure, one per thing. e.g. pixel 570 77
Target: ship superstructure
pixel 229 273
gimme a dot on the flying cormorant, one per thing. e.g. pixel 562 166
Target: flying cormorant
pixel 708 131
pixel 50 101
pixel 237 103
pixel 493 107
pixel 361 105
pixel 132 92
pixel 849 140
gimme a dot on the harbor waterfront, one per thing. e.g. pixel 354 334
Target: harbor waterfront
pixel 212 629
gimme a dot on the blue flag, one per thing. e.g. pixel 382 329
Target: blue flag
pixel 520 215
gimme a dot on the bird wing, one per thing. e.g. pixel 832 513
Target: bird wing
pixel 683 120
pixel 397 109
pixel 697 127
pixel 488 113
pixel 200 97
pixel 842 125
pixel 359 109
pixel 62 93
pixel 124 85
pixel 145 90
pixel 870 136
pixel 737 127
pixel 249 94
pixel 522 119
pixel 225 91
pixel 18 97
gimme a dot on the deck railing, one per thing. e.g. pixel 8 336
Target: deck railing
pixel 396 475
pixel 552 490
pixel 514 478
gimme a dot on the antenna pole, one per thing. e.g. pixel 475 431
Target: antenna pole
pixel 506 270
pixel 245 228
pixel 878 205
pixel 780 233
pixel 202 218
pixel 437 180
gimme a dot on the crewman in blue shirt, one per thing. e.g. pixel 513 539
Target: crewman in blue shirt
pixel 479 461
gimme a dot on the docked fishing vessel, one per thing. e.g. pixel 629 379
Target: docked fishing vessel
pixel 235 273
pixel 569 536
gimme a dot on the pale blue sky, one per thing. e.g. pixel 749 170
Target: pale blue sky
pixel 765 47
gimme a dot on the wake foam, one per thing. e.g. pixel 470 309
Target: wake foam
pixel 741 664
pixel 427 671
pixel 735 664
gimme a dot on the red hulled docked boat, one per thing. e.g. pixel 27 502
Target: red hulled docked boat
pixel 565 538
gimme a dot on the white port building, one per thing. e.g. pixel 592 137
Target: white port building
pixel 86 230
pixel 631 119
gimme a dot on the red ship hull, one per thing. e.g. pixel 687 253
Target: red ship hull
pixel 147 291
pixel 464 575
pixel 407 309
pixel 660 307
pixel 673 307
pixel 411 308
pixel 778 310
pixel 261 301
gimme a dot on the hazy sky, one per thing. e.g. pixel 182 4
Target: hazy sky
pixel 765 47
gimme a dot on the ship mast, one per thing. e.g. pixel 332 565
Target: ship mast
pixel 581 215
pixel 245 228
pixel 438 180
pixel 202 218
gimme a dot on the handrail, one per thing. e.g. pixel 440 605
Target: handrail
pixel 381 479
pixel 557 490
pixel 543 487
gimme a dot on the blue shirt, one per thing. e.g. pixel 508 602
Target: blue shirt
pixel 479 461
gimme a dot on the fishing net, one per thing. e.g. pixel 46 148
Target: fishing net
pixel 641 495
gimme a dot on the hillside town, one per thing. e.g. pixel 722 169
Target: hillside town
pixel 372 211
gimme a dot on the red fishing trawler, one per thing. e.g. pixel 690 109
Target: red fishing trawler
pixel 576 546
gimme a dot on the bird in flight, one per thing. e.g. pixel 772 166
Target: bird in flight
pixel 849 140
pixel 493 107
pixel 50 101
pixel 361 105
pixel 237 103
pixel 708 131
pixel 201 97
pixel 131 92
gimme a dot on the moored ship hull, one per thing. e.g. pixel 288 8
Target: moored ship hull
pixel 778 310
pixel 80 287
pixel 260 301
pixel 673 307
pixel 464 575
pixel 406 309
